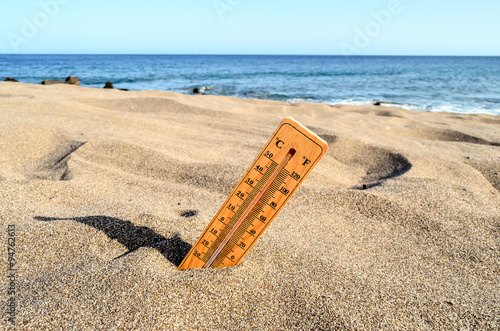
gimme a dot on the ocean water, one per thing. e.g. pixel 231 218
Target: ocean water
pixel 452 84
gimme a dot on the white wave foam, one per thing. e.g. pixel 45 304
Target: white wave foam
pixel 461 109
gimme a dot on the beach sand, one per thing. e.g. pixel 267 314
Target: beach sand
pixel 397 227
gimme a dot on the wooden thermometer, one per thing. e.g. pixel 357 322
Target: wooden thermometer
pixel 286 160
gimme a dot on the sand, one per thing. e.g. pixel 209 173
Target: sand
pixel 397 228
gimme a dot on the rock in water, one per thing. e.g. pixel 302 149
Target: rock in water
pixel 108 85
pixel 196 90
pixel 73 80
pixel 8 79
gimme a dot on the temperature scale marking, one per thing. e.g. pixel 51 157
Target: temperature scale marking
pixel 279 169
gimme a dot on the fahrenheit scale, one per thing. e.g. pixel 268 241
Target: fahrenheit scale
pixel 280 168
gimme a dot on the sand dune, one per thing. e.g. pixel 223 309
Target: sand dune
pixel 397 227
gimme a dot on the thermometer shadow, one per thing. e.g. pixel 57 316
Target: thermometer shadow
pixel 133 237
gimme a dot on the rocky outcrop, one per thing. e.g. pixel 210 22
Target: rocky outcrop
pixel 52 82
pixel 69 80
pixel 73 80
pixel 110 86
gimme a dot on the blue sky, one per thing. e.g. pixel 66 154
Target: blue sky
pixel 330 27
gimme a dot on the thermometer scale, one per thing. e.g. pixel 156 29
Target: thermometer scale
pixel 279 169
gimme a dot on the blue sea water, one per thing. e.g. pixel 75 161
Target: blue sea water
pixel 453 84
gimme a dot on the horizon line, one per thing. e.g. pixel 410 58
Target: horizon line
pixel 243 54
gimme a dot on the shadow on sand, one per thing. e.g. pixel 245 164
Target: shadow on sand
pixel 133 237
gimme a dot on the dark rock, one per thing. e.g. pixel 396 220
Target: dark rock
pixel 196 90
pixel 189 213
pixel 123 89
pixel 73 80
pixel 380 103
pixel 52 82
pixel 8 79
pixel 108 85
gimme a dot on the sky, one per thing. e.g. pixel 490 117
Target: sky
pixel 314 27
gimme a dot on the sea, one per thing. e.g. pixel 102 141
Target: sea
pixel 423 83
